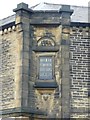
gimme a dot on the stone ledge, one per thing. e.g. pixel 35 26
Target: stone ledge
pixel 45 85
pixel 45 49
pixel 21 111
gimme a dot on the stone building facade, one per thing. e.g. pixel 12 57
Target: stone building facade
pixel 44 63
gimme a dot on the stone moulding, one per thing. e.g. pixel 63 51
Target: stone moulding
pixel 45 49
pixel 21 111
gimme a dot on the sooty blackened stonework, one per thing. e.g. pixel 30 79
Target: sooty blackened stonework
pixel 44 63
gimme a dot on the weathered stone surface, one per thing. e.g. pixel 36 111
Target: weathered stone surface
pixel 10 69
pixel 20 66
pixel 79 73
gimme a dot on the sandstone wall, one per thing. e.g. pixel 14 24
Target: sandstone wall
pixel 10 67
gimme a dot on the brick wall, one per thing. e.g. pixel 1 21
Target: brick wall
pixel 79 74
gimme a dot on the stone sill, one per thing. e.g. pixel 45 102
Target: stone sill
pixel 45 85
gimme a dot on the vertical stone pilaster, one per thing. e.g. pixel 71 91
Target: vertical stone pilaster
pixel 89 60
pixel 65 80
pixel 1 70
pixel 22 19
